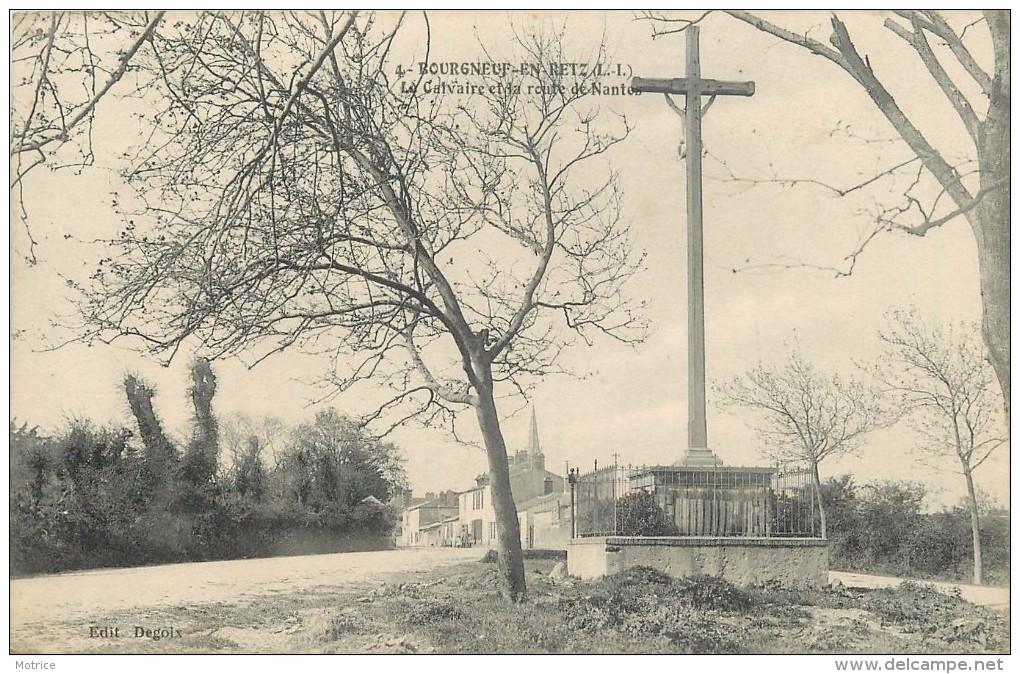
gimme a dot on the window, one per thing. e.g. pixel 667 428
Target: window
pixel 478 500
pixel 492 530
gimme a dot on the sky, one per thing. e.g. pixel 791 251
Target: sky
pixel 807 120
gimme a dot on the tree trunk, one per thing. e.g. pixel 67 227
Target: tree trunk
pixel 508 528
pixel 821 501
pixel 975 525
pixel 989 216
pixel 990 222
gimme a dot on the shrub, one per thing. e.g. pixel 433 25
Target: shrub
pixel 643 600
pixel 639 515
pixel 92 497
pixel 712 593
pixel 916 608
pixel 637 577
pixel 689 632
pixel 879 528
pixel 429 611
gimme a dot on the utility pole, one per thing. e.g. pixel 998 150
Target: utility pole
pixel 693 87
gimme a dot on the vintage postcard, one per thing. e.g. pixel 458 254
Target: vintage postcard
pixel 511 332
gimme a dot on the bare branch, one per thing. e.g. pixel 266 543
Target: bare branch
pixel 930 157
pixel 663 24
pixel 32 144
pixel 445 391
pixel 928 223
pixel 937 24
pixel 919 42
pixel 814 46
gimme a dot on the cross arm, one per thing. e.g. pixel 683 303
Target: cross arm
pixel 683 85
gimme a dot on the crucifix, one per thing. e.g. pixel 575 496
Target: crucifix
pixel 693 87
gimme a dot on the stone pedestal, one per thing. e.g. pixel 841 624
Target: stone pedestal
pixel 742 561
pixel 701 457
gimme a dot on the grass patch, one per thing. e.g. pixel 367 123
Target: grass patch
pixel 431 611
pixel 937 617
pixel 492 556
pixel 457 609
pixel 645 611
pixel 338 626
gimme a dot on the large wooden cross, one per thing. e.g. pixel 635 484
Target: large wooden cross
pixel 693 87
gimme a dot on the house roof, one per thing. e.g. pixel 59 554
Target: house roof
pixel 440 523
pixel 539 501
pixel 430 504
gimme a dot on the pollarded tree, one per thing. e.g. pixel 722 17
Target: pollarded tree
pixel 944 382
pixel 295 197
pixel 966 58
pixel 160 455
pixel 805 416
pixel 199 463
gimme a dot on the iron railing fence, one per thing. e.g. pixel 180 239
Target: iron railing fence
pixel 694 501
pixel 794 504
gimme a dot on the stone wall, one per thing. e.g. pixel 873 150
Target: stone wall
pixel 743 561
pixel 551 535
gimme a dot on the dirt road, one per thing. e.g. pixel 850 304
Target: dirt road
pixel 84 598
pixel 61 613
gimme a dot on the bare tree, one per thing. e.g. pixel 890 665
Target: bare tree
pixel 805 416
pixel 445 246
pixel 63 65
pixel 236 431
pixel 966 55
pixel 941 377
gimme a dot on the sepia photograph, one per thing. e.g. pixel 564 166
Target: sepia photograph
pixel 479 332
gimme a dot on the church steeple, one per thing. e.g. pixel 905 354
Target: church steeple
pixel 530 456
pixel 534 447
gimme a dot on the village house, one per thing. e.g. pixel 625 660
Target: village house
pixel 476 516
pixel 538 493
pixel 434 510
pixel 545 521
pixel 441 534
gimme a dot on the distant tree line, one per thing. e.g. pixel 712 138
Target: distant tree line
pixel 881 528
pixel 92 496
